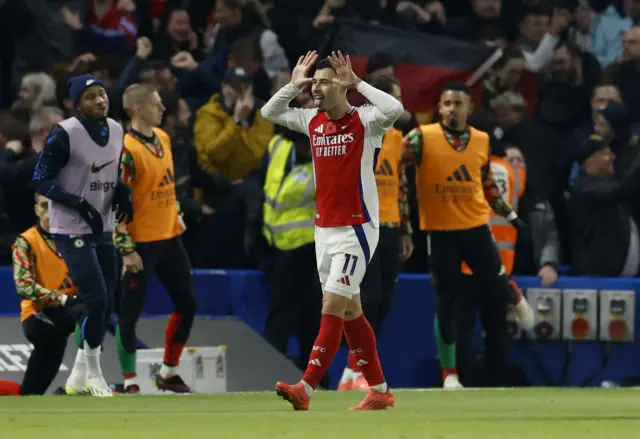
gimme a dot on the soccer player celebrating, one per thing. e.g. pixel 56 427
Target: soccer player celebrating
pixel 47 309
pixel 456 193
pixel 78 171
pixel 151 242
pixel 395 244
pixel 345 142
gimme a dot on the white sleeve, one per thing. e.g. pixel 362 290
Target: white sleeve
pixel 383 111
pixel 541 59
pixel 277 110
pixel 275 60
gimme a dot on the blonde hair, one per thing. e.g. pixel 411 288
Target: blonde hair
pixel 136 94
pixel 44 85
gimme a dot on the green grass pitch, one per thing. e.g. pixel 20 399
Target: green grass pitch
pixel 469 414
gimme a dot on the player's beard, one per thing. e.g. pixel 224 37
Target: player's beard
pixel 452 122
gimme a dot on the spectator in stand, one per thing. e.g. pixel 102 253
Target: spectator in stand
pixel 33 39
pixel 537 142
pixel 625 73
pixel 484 13
pixel 108 27
pixel 231 135
pixel 580 32
pixel 606 235
pixel 565 100
pixel 36 90
pixel 246 53
pixel 17 163
pixel 236 19
pixel 506 75
pixel 508 109
pixel 603 95
pixel 494 36
pixel 176 122
pixel 192 80
pixel 614 125
pixel 177 36
pixel 540 31
pixel 429 18
pixel 11 128
pixel 140 66
pixel 18 158
pixel 607 28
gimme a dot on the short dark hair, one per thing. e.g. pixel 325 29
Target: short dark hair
pixel 384 83
pixel 171 103
pixel 535 10
pixel 379 60
pixel 511 52
pixel 456 86
pixel 324 64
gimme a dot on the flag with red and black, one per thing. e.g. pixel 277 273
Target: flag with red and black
pixel 423 63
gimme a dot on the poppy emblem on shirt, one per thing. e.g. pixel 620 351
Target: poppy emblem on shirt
pixel 331 128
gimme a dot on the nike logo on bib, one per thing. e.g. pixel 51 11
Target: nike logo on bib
pixel 95 168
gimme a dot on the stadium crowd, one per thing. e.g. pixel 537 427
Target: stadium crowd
pixel 567 72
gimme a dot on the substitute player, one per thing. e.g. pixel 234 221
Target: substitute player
pixel 345 142
pixel 78 171
pixel 395 243
pixel 47 309
pixel 456 193
pixel 151 242
pixel 511 181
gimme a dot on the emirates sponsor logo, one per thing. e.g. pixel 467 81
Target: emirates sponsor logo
pixel 337 139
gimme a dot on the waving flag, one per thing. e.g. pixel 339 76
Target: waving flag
pixel 423 63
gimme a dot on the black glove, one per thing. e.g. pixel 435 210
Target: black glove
pixel 122 203
pixel 520 225
pixel 75 308
pixel 91 216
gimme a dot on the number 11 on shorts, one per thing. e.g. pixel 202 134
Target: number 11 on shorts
pixel 349 259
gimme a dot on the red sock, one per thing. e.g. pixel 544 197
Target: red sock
pixel 449 371
pixel 128 376
pixel 172 348
pixel 324 349
pixel 352 362
pixel 362 343
pixel 9 388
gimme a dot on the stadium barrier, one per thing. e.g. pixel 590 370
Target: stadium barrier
pixel 406 342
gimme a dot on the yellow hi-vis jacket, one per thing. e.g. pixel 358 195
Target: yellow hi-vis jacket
pixel 289 200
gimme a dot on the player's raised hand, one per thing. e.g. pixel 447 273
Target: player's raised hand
pixel 300 75
pixel 345 77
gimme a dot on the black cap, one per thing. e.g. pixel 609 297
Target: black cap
pixel 594 144
pixel 618 117
pixel 237 76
